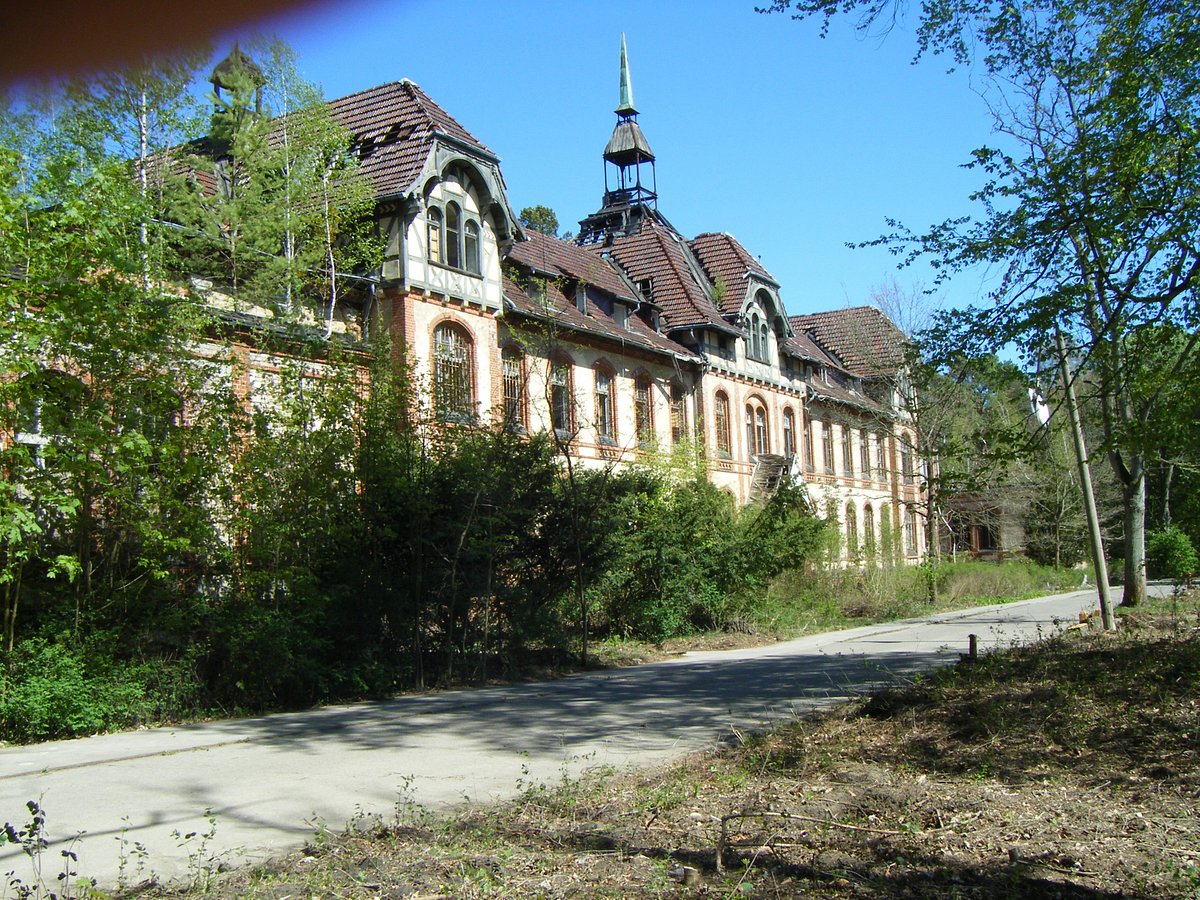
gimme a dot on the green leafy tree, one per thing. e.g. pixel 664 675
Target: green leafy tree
pixel 1092 215
pixel 539 218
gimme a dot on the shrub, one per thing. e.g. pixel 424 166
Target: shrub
pixel 1170 554
pixel 50 691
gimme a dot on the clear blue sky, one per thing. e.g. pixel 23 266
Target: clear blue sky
pixel 793 144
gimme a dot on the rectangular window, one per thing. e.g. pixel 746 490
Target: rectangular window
pixel 881 466
pixel 847 453
pixel 827 445
pixel 864 446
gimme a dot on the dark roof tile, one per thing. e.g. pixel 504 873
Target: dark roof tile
pixel 727 262
pixel 867 341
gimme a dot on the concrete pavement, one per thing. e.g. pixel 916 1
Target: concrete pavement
pixel 271 781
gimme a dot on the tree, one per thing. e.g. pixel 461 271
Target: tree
pixel 540 218
pixel 1092 217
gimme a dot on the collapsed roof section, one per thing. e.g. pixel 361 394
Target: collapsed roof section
pixel 563 286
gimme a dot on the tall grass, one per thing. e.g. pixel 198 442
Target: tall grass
pixel 805 601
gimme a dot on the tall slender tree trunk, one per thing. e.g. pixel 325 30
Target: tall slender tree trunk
pixel 1134 494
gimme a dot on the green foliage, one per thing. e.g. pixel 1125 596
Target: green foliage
pixel 1170 554
pixel 539 218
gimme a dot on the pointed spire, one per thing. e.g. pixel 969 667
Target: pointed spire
pixel 626 108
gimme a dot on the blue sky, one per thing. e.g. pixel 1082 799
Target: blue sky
pixel 793 144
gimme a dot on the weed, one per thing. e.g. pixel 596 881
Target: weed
pixel 32 840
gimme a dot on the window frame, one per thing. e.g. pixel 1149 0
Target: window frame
pixel 643 410
pixel 514 404
pixel 605 404
pixel 827 446
pixel 721 420
pixel 454 396
pixel 560 395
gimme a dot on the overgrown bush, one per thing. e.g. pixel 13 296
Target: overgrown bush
pixel 1170 554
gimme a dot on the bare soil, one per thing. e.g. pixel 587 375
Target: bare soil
pixel 1066 769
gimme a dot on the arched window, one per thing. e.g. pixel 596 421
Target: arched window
pixel 606 424
pixel 757 434
pixel 827 445
pixel 562 401
pixel 471 247
pixel 643 409
pixel 453 236
pixel 808 442
pixel 764 344
pixel 679 428
pixel 864 446
pixel 847 453
pixel 869 531
pixel 721 421
pixel 789 433
pixel 851 531
pixel 433 229
pixel 453 374
pixel 513 363
pixel 910 531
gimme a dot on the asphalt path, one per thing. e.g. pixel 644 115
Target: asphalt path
pixel 272 782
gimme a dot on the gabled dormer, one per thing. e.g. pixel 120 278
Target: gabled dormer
pixel 442 206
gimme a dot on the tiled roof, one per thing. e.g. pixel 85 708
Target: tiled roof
pixel 658 253
pixel 866 340
pixel 393 127
pixel 800 344
pixel 562 310
pixel 726 261
pixel 562 258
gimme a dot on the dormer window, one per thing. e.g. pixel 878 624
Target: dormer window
pixel 433 219
pixel 453 238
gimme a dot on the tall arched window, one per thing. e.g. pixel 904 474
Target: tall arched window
pixel 678 415
pixel 471 247
pixel 847 453
pixel 453 374
pixel 513 363
pixel 910 531
pixel 851 531
pixel 869 531
pixel 827 445
pixel 562 400
pixel 757 434
pixel 721 421
pixel 643 409
pixel 789 433
pixel 864 446
pixel 453 236
pixel 764 344
pixel 433 230
pixel 606 425
pixel 807 437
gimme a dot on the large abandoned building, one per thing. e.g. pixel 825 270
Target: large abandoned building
pixel 632 339
pixel 628 342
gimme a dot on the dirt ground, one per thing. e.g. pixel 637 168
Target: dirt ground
pixel 1069 769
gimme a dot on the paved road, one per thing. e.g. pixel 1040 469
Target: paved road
pixel 270 780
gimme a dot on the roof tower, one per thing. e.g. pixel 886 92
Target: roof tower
pixel 630 181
